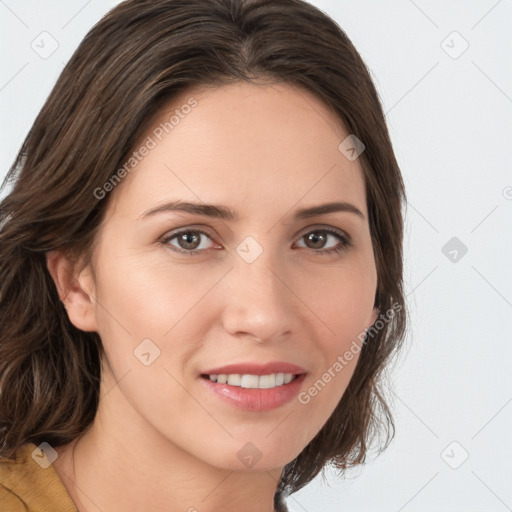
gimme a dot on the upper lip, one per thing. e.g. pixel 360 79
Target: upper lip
pixel 256 369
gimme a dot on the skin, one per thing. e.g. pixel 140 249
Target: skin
pixel 160 438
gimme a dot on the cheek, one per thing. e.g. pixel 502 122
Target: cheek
pixel 150 296
pixel 145 327
pixel 342 299
pixel 153 318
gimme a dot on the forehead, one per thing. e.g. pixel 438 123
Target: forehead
pixel 265 147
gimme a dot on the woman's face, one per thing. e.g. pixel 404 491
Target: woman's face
pixel 182 292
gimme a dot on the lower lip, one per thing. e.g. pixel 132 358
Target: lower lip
pixel 255 399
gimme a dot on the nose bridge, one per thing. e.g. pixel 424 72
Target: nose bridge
pixel 257 301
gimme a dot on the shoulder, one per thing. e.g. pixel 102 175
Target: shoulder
pixel 30 483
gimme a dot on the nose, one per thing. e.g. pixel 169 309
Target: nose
pixel 259 302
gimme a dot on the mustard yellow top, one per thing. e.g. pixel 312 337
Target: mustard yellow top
pixel 30 484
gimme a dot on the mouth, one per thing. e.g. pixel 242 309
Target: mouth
pixel 255 387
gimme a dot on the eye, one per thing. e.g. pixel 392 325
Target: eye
pixel 320 241
pixel 325 241
pixel 189 241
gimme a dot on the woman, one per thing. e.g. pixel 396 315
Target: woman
pixel 200 266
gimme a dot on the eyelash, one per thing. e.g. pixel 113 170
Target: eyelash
pixel 345 241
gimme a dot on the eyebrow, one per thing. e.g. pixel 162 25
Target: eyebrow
pixel 224 213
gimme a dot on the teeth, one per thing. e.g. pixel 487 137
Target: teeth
pixel 253 381
pixel 268 381
pixel 249 381
pixel 234 379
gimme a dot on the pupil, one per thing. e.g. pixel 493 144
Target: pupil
pixel 317 240
pixel 189 239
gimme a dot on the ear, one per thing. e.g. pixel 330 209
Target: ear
pixel 76 290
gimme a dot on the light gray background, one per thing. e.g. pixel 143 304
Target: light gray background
pixel 450 117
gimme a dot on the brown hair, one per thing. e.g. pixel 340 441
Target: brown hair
pixel 132 63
